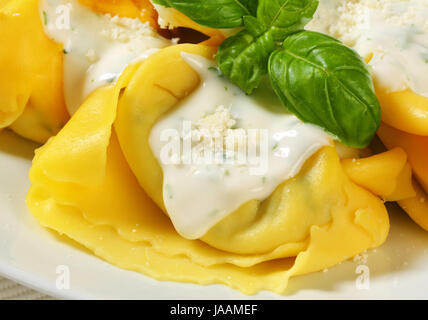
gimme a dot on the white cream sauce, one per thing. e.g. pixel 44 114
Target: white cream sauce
pixel 198 194
pixel 395 32
pixel 97 47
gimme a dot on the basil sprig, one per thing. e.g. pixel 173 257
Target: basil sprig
pixel 244 57
pixel 317 78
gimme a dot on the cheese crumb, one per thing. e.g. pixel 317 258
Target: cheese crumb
pixel 353 17
pixel 126 29
pixel 392 35
pixel 91 55
pixel 216 134
pixel 361 258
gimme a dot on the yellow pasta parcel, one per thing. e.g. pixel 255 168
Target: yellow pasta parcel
pixel 31 65
pixel 31 68
pixel 98 183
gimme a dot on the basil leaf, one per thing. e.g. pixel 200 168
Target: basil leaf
pixel 244 57
pixel 254 26
pixel 283 17
pixel 251 5
pixel 213 13
pixel 328 84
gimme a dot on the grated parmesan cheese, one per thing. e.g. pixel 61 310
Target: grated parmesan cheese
pixel 392 34
pixel 125 29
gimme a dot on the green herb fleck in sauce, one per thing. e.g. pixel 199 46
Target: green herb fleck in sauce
pixel 168 190
pixel 45 18
pixel 216 70
pixel 214 212
pixel 110 80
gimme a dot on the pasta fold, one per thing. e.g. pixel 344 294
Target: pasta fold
pixel 405 125
pixel 416 148
pixel 387 174
pixel 102 187
pixel 31 68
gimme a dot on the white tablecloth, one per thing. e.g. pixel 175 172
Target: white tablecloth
pixel 10 290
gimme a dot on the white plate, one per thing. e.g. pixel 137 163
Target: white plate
pixel 31 254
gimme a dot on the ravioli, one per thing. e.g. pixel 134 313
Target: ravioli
pixel 31 91
pixel 417 149
pixel 102 187
pixel 31 65
pixel 405 125
pixel 392 36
